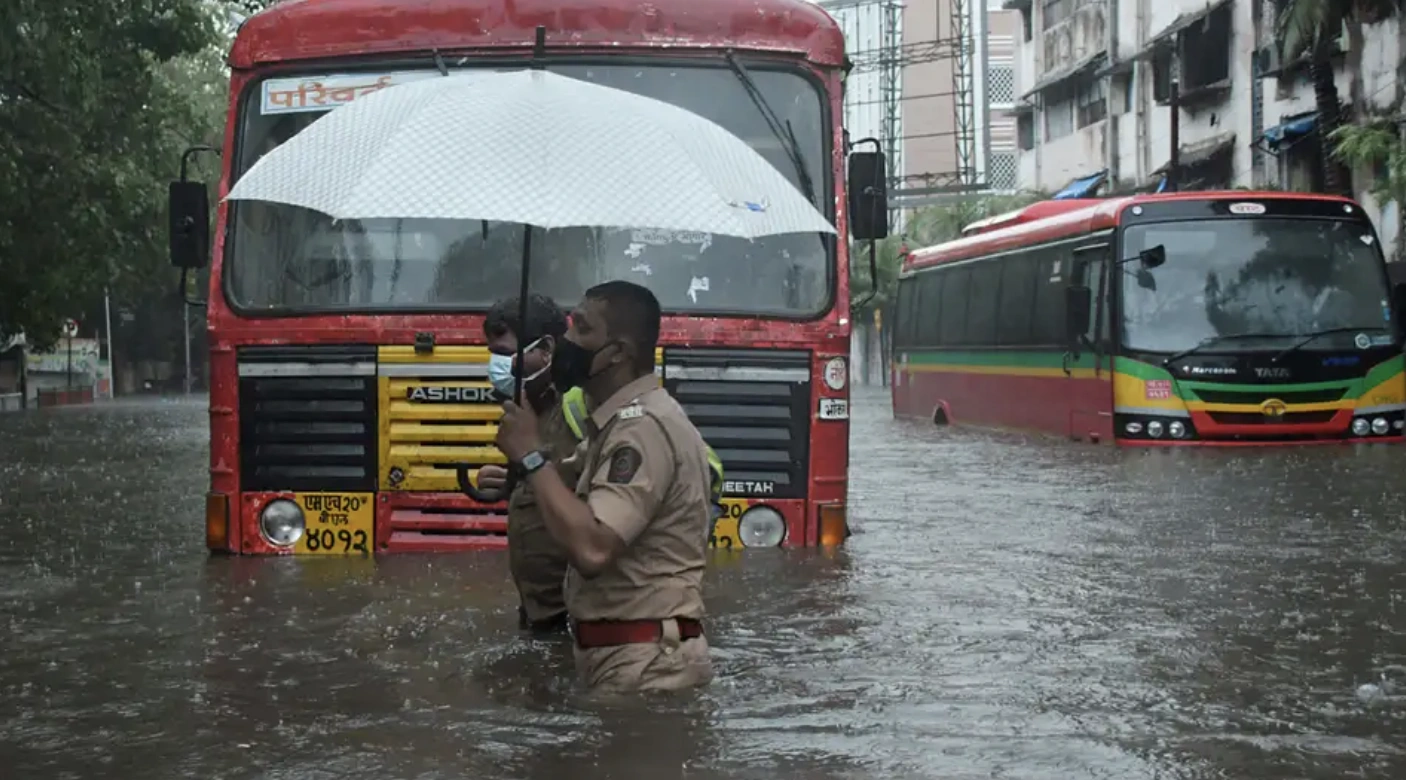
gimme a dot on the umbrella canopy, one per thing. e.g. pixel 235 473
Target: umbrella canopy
pixel 532 147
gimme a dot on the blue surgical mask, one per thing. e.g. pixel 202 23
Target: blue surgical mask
pixel 501 374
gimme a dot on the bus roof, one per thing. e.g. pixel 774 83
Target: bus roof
pixel 316 29
pixel 1051 220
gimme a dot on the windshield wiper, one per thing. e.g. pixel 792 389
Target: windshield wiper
pixel 1311 337
pixel 783 133
pixel 1209 340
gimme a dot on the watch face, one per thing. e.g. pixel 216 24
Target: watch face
pixel 533 460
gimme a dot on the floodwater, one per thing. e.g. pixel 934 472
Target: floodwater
pixel 1009 608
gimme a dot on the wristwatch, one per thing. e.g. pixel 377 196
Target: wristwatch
pixel 532 461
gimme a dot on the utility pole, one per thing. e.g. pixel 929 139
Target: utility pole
pixel 111 360
pixel 1174 162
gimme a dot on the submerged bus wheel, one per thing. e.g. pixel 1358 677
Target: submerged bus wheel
pixel 939 415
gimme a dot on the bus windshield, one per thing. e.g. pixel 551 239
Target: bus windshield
pixel 1279 277
pixel 283 258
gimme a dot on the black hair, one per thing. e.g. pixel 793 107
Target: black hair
pixel 544 318
pixel 631 312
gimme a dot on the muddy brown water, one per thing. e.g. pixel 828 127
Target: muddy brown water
pixel 1010 608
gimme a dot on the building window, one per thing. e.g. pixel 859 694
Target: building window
pixel 1092 102
pixel 1025 132
pixel 1205 50
pixel 1000 84
pixel 1027 23
pixel 1059 119
pixel 1055 11
pixel 1001 171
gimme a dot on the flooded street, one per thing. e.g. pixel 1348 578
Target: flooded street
pixel 1009 608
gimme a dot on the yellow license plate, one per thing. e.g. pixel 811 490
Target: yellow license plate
pixel 337 523
pixel 723 534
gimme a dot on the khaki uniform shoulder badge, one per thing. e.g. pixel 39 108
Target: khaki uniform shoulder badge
pixel 632 412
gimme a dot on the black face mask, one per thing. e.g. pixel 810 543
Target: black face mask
pixel 571 364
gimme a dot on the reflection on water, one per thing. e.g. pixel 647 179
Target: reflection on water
pixel 1009 608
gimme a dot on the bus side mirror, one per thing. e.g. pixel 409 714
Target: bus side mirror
pixel 1078 311
pixel 868 196
pixel 189 206
pixel 1398 298
pixel 1154 257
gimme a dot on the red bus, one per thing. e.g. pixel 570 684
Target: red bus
pixel 1188 318
pixel 347 366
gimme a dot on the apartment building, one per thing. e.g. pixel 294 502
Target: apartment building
pixel 935 79
pixel 1094 111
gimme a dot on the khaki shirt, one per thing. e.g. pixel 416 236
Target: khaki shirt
pixel 536 559
pixel 644 473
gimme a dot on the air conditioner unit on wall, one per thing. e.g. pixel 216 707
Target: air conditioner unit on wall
pixel 1268 60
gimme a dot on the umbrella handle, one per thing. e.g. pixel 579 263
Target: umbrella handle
pixel 480 495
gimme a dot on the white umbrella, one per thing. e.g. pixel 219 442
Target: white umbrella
pixel 532 147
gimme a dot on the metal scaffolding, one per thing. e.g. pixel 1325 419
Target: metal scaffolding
pixel 874 31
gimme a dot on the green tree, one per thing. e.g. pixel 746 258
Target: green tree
pixel 1310 29
pixel 96 103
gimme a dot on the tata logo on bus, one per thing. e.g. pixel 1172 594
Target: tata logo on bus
pixel 1272 372
pixel 437 394
pixel 748 487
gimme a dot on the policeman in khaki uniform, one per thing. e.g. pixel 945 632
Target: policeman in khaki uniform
pixel 536 561
pixel 635 524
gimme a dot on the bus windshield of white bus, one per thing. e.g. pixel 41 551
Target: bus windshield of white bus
pixel 1253 284
pixel 285 259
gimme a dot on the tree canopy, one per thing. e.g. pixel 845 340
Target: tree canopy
pixel 98 98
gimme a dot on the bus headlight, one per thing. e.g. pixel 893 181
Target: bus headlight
pixel 761 526
pixel 282 523
pixel 1380 426
pixel 1360 426
pixel 1154 429
pixel 1177 429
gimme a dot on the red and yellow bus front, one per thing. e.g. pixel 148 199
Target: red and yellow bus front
pixel 348 372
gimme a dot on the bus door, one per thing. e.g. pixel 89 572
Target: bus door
pixel 1087 362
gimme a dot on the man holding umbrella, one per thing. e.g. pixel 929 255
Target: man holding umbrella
pixel 635 524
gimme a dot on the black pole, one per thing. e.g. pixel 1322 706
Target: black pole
pixel 68 372
pixel 523 287
pixel 1174 162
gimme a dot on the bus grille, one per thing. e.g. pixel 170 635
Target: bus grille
pixel 307 418
pixel 753 407
pixel 439 415
pixel 1260 395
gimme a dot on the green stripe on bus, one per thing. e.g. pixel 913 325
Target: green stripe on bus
pixel 997 359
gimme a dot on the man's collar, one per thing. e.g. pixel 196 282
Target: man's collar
pixel 620 398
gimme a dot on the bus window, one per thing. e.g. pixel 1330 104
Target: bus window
pixel 1051 279
pixel 954 307
pixel 984 289
pixel 1017 301
pixel 1089 270
pixel 905 322
pixel 930 309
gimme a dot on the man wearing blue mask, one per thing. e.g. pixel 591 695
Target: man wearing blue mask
pixel 536 560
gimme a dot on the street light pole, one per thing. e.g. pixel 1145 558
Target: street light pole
pixel 185 327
